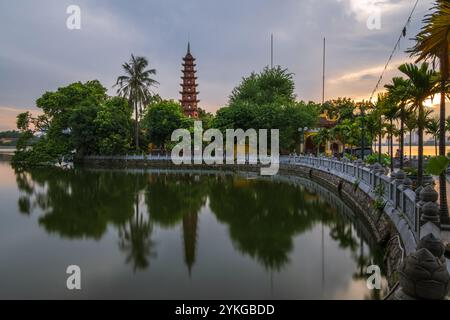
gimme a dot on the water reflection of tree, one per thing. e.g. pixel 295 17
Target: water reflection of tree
pixel 135 239
pixel 263 216
pixel 77 205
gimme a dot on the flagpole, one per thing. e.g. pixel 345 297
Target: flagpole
pixel 271 50
pixel 323 73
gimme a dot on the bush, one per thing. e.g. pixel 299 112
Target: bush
pixel 410 171
pixel 373 158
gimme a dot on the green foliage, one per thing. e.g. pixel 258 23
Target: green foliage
pixel 350 157
pixel 113 125
pixel 266 101
pixel 13 134
pixel 206 118
pixel 271 86
pixel 135 86
pixel 410 171
pixel 161 119
pixel 342 109
pixel 80 119
pixel 379 202
pixel 379 190
pixel 438 165
pixel 374 158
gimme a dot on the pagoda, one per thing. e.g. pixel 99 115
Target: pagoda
pixel 189 91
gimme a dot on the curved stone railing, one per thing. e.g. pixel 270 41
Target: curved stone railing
pixel 424 273
pixel 399 199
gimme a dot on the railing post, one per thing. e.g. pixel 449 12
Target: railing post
pixel 424 274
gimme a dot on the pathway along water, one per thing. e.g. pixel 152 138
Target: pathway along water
pixel 156 235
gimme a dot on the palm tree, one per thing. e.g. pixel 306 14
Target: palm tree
pixel 411 125
pixel 432 128
pixel 390 112
pixel 433 41
pixel 423 85
pixel 136 85
pixel 447 125
pixel 398 91
pixel 382 100
pixel 321 138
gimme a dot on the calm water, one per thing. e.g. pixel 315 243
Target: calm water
pixel 159 235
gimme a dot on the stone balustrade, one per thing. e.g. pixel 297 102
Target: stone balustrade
pixel 396 190
pixel 424 272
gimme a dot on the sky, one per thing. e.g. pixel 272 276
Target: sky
pixel 230 39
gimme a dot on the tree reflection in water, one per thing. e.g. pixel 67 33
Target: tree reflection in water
pixel 263 217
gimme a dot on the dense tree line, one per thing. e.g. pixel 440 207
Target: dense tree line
pixel 81 119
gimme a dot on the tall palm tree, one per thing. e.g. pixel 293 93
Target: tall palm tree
pixel 382 100
pixel 432 128
pixel 423 85
pixel 411 126
pixel 398 91
pixel 136 85
pixel 390 112
pixel 433 41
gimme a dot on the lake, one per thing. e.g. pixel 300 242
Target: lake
pixel 178 235
pixel 427 150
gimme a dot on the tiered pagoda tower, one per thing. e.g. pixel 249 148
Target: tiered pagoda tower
pixel 189 91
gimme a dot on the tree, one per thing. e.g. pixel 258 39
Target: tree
pixel 113 127
pixel 266 100
pixel 340 109
pixel 161 119
pixel 271 86
pixel 373 124
pixel 321 138
pixel 65 125
pixel 398 91
pixel 135 86
pixel 390 112
pixel 380 106
pixel 433 41
pixel 423 85
pixel 447 124
pixel 411 125
pixel 432 128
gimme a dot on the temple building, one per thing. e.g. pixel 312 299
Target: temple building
pixel 189 92
pixel 331 147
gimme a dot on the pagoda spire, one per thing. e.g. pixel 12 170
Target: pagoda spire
pixel 189 92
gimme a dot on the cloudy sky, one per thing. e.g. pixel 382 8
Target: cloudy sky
pixel 229 38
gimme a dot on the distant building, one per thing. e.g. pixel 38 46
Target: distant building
pixel 189 92
pixel 331 147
